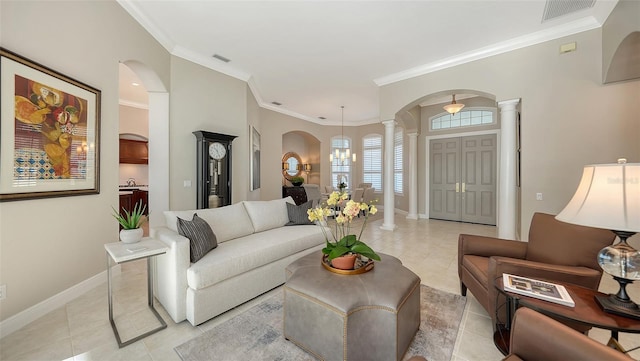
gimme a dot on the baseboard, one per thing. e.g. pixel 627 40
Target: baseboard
pixel 423 216
pixel 18 321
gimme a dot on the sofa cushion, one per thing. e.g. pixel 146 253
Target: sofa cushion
pixel 298 214
pixel 201 237
pixel 244 254
pixel 228 222
pixel 266 215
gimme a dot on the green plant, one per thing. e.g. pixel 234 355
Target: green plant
pixel 297 179
pixel 131 220
pixel 344 242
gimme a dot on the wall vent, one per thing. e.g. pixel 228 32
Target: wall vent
pixel 556 8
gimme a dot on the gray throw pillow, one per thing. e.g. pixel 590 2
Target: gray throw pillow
pixel 298 214
pixel 201 237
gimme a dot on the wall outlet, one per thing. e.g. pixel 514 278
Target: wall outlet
pixel 3 292
pixel 538 196
pixel 187 183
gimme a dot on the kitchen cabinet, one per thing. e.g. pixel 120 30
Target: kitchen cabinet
pixel 128 200
pixel 134 151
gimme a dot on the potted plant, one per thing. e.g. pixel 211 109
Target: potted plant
pixel 131 223
pixel 297 181
pixel 345 247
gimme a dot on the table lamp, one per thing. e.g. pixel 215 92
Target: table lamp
pixel 608 197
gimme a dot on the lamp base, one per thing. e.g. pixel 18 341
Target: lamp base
pixel 612 304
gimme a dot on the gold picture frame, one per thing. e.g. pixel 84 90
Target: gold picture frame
pixel 49 132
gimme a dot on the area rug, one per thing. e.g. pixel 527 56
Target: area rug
pixel 257 333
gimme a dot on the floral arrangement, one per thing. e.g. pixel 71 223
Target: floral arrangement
pixel 342 241
pixel 132 220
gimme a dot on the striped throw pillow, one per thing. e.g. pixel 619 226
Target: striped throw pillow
pixel 201 237
pixel 298 214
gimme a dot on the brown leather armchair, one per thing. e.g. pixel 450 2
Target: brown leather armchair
pixel 536 337
pixel 556 251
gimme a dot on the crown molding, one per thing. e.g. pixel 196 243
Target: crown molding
pixel 131 104
pixel 149 25
pixel 552 33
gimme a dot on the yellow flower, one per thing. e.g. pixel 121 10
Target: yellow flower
pixel 373 210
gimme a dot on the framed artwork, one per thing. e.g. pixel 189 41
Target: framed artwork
pixel 255 159
pixel 49 132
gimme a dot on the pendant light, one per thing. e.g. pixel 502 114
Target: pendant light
pixel 342 154
pixel 453 107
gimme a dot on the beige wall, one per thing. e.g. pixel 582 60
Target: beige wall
pixel 49 245
pixel 202 99
pixel 569 119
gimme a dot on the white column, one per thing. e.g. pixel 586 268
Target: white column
pixel 507 206
pixel 387 171
pixel 158 157
pixel 413 176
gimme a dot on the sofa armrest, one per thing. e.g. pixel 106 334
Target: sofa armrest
pixel 171 273
pixel 538 337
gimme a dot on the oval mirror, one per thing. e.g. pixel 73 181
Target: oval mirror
pixel 291 165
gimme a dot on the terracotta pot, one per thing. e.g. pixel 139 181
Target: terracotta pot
pixel 344 262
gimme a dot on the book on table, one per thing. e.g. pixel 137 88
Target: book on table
pixel 537 289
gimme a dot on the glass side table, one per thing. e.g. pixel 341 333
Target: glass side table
pixel 125 252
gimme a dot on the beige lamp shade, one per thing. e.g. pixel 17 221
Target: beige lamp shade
pixel 607 197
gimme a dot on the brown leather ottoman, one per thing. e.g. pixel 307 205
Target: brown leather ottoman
pixel 371 316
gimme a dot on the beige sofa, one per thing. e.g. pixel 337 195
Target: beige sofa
pixel 254 247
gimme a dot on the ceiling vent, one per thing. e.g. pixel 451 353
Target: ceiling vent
pixel 221 58
pixel 557 8
pixel 276 103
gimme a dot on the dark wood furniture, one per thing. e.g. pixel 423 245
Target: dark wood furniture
pixel 586 312
pixel 134 151
pixel 298 194
pixel 129 199
pixel 213 170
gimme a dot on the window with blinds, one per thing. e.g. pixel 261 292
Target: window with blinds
pixel 340 169
pixel 397 161
pixel 372 160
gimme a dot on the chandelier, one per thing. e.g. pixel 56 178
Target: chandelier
pixel 453 107
pixel 341 153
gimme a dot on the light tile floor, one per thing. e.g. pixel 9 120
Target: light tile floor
pixel 80 330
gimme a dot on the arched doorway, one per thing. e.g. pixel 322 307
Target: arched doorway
pixel 158 114
pixel 506 147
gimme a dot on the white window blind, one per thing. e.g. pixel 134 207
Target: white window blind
pixel 372 160
pixel 397 161
pixel 340 169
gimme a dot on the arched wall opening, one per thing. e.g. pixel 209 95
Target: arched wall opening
pixel 414 117
pixel 158 140
pixel 307 146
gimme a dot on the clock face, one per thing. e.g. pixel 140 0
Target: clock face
pixel 217 151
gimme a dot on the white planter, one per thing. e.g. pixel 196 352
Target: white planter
pixel 131 235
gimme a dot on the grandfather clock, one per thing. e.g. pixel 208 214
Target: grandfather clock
pixel 213 156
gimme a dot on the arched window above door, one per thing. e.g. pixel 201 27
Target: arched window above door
pixel 462 119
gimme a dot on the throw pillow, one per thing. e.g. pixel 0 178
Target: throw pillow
pixel 298 214
pixel 201 237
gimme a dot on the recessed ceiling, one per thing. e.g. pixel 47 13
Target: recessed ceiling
pixel 314 56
